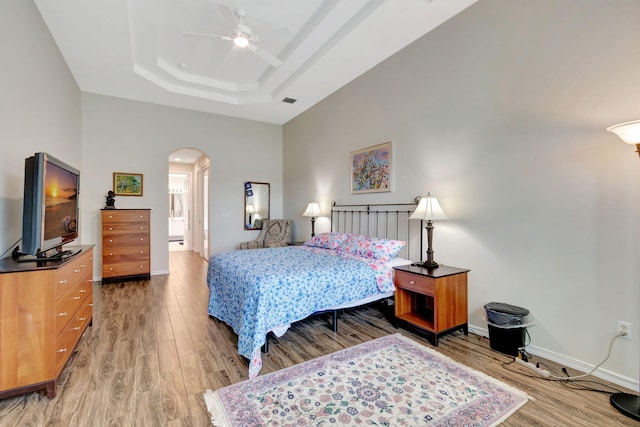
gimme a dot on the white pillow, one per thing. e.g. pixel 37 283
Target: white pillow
pixel 397 261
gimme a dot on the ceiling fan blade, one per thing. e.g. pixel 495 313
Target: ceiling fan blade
pixel 207 36
pixel 265 55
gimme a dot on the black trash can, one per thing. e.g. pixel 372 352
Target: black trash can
pixel 506 327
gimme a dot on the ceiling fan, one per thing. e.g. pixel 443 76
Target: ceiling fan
pixel 242 36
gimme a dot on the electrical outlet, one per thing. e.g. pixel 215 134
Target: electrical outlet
pixel 624 328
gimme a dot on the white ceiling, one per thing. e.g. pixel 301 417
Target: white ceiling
pixel 136 49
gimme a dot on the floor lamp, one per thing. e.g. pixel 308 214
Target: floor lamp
pixel 313 210
pixel 428 210
pixel 627 403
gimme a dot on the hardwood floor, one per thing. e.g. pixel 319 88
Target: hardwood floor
pixel 153 350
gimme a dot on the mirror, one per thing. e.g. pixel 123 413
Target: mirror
pixel 256 204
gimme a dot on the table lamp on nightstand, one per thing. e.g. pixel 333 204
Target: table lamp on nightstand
pixel 428 210
pixel 313 210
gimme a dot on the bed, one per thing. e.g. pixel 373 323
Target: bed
pixel 265 290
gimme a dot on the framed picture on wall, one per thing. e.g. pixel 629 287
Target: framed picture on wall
pixel 127 184
pixel 371 169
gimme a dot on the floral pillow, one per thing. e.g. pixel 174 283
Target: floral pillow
pixel 350 244
pixel 327 240
pixel 372 247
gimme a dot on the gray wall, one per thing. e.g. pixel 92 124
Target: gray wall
pixel 39 107
pixel 501 113
pixel 128 136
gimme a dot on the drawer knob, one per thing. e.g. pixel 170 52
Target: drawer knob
pixel 76 271
pixel 141 239
pixel 110 241
pixel 90 305
pixel 141 228
pixel 77 328
pixel 82 318
pixel 63 314
pixel 110 269
pixel 82 291
pixel 141 252
pixel 61 350
pixel 110 228
pixel 110 253
pixel 83 265
pixel 75 298
pixel 62 282
pixel 412 282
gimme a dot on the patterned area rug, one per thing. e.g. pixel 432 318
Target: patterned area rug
pixel 390 381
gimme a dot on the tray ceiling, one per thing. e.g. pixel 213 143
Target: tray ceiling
pixel 138 49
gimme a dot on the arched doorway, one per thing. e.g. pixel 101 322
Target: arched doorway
pixel 188 201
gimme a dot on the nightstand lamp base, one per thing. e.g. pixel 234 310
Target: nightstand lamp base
pixel 426 264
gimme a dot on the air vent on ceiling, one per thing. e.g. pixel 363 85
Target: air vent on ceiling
pixel 289 100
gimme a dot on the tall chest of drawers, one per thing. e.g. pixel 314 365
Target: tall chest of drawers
pixel 125 245
pixel 44 309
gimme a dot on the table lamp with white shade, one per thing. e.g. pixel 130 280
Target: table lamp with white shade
pixel 428 210
pixel 313 210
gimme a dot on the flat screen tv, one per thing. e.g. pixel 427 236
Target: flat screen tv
pixel 50 210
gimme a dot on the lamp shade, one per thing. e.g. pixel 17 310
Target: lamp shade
pixel 313 210
pixel 428 209
pixel 250 209
pixel 629 132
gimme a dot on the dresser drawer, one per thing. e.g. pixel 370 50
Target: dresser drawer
pixel 117 255
pixel 85 313
pixel 121 228
pixel 132 268
pixel 66 342
pixel 85 288
pixel 126 216
pixel 67 277
pixel 125 240
pixel 67 306
pixel 421 284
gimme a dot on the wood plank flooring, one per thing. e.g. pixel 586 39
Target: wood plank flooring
pixel 153 350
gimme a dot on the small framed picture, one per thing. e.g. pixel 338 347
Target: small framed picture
pixel 371 169
pixel 127 184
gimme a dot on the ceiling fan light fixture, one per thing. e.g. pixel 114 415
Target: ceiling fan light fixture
pixel 241 41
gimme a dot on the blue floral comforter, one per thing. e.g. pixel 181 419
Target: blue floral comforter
pixel 255 291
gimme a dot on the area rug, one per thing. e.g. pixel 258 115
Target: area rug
pixel 390 381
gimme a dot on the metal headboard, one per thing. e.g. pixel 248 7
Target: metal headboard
pixel 383 220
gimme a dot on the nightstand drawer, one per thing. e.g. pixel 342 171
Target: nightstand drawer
pixel 421 284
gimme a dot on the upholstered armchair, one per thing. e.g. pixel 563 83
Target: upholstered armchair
pixel 274 233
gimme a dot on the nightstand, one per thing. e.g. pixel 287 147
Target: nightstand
pixel 432 300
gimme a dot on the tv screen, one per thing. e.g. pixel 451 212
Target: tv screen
pixel 50 215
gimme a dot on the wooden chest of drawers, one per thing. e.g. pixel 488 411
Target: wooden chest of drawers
pixel 125 245
pixel 44 309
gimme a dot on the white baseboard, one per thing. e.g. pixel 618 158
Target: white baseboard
pixel 569 362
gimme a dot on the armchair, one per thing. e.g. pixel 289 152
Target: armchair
pixel 274 233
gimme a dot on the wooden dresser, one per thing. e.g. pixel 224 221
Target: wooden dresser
pixel 125 245
pixel 44 309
